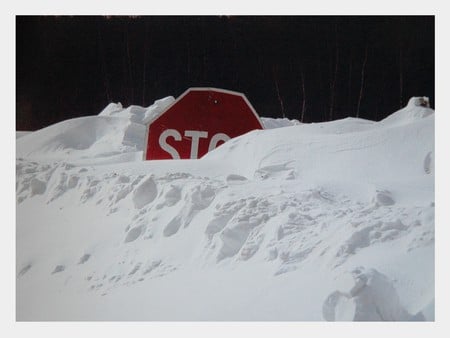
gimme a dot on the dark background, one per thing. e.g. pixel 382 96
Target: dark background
pixel 311 68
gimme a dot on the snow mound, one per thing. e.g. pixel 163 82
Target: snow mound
pixel 138 114
pixel 372 297
pixel 270 123
pixel 349 150
pixel 417 108
pixel 265 227
pixel 347 125
pixel 84 137
pixel 115 135
pixel 20 134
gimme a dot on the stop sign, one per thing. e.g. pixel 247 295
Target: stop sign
pixel 197 122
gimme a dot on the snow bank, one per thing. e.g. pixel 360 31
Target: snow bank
pixel 416 109
pixel 115 135
pixel 270 123
pixel 372 297
pixel 20 134
pixel 81 138
pixel 325 221
pixel 350 151
pixel 138 114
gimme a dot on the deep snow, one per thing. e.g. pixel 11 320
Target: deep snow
pixel 325 221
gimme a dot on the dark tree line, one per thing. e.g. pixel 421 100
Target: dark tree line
pixel 309 68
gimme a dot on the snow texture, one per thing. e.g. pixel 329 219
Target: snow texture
pixel 300 222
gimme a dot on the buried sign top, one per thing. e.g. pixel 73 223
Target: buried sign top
pixel 197 122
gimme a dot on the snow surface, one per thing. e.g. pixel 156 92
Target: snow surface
pixel 325 221
pixel 21 133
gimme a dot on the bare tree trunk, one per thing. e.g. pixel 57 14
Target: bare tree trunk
pixel 350 72
pixel 188 63
pixel 103 62
pixel 144 80
pixel 302 116
pixel 321 86
pixel 187 39
pixel 362 82
pixel 401 46
pixel 130 75
pixel 275 77
pixel 205 64
pixel 401 75
pixel 333 81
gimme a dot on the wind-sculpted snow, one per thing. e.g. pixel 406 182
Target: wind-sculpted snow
pixel 115 135
pixel 372 297
pixel 79 138
pixel 138 114
pixel 293 223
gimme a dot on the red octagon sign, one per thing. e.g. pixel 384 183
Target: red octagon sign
pixel 199 121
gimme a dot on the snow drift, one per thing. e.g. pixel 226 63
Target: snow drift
pixel 325 221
